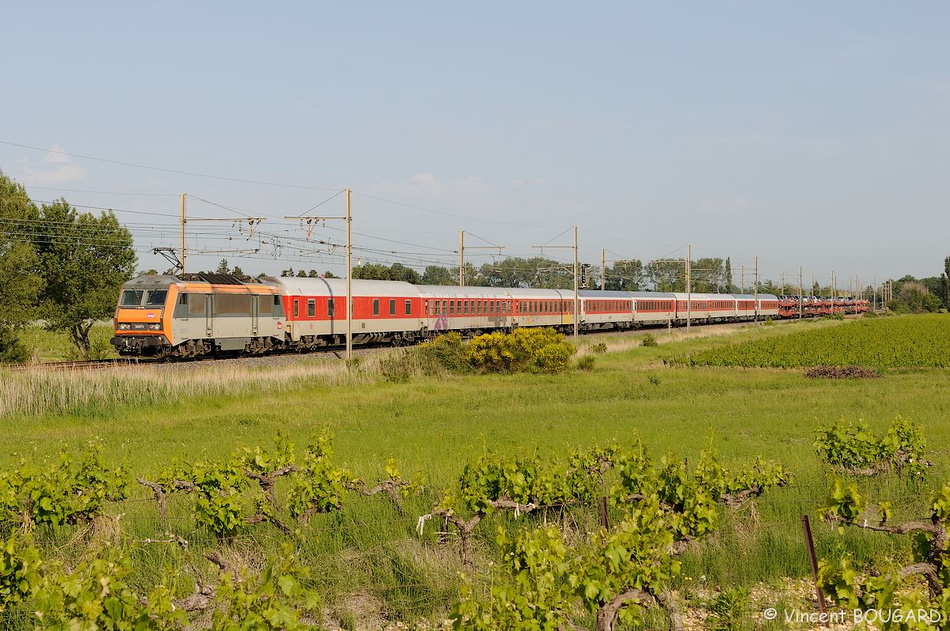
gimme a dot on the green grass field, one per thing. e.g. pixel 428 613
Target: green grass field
pixel 373 568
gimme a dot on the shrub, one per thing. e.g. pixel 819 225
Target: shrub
pixel 853 448
pixel 398 366
pixel 444 352
pixel 599 349
pixel 648 340
pixel 12 351
pixel 530 350
pixel 586 362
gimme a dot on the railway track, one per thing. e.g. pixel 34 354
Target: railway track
pixel 84 365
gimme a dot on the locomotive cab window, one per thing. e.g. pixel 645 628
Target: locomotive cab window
pixel 155 298
pixel 132 298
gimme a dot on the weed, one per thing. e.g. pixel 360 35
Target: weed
pixel 727 610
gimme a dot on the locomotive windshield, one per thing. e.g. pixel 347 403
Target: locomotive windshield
pixel 139 297
pixel 155 298
pixel 132 298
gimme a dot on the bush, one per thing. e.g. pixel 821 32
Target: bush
pixel 446 352
pixel 586 362
pixel 648 340
pixel 599 349
pixel 523 350
pixel 12 351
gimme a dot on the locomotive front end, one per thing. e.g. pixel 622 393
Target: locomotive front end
pixel 142 323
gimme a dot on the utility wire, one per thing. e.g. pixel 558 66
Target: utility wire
pixel 164 170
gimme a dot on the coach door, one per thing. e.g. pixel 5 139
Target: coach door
pixel 209 318
pixel 255 311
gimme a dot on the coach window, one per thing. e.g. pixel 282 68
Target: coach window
pixel 392 307
pixel 408 307
pixel 311 308
pixel 375 306
pixel 331 306
pixel 451 307
pixel 296 307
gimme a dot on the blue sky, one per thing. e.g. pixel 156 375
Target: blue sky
pixel 812 135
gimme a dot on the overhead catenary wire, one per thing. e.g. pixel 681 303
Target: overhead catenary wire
pixel 164 170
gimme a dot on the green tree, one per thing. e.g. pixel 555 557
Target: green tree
pixel 19 266
pixel 405 274
pixel 438 275
pixel 945 282
pixel 537 272
pixel 373 271
pixel 912 296
pixel 84 260
pixel 626 275
pixel 668 275
pixel 727 271
pixel 707 275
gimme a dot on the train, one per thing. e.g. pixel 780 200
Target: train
pixel 202 315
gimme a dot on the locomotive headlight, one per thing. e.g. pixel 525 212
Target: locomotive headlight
pixel 124 326
pixel 155 327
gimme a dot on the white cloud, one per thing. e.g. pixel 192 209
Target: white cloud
pixel 54 169
pixel 56 156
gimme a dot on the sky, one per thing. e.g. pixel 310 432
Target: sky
pixel 808 136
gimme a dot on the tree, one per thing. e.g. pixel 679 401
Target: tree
pixel 626 275
pixel 438 275
pixel 84 261
pixel 945 282
pixel 537 272
pixel 912 296
pixel 707 275
pixel 19 267
pixel 730 288
pixel 373 271
pixel 405 274
pixel 668 275
pixel 223 267
pixel 398 271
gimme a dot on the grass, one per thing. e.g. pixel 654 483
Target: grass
pixel 372 566
pixel 52 346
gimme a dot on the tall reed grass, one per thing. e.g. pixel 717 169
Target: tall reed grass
pixel 39 391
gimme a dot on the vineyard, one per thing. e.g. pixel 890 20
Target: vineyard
pixel 628 495
pixel 900 342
